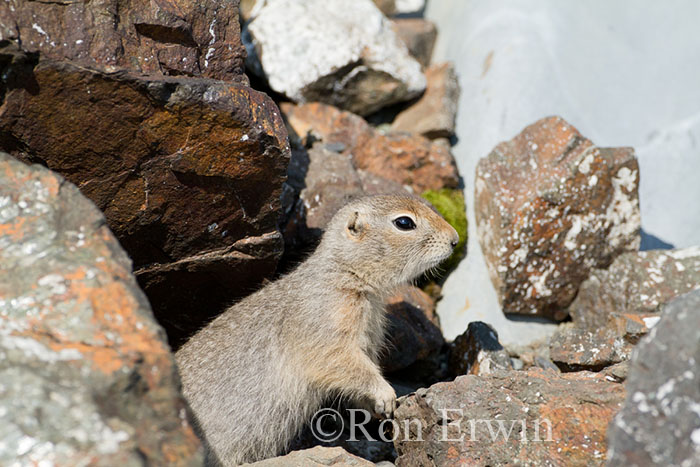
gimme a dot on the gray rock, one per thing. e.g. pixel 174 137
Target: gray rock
pixel 618 305
pixel 660 421
pixel 86 375
pixel 341 53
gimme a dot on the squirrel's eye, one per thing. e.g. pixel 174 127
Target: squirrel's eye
pixel 404 223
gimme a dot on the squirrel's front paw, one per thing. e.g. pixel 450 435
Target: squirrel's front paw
pixel 383 401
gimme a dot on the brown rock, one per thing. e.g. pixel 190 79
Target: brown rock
pixel 375 185
pixel 331 182
pixel 618 305
pixel 87 375
pixel 409 160
pixel 533 417
pixel 419 35
pixel 388 7
pixel 319 182
pixel 477 352
pixel 187 171
pixel 549 207
pixel 174 37
pixel 316 456
pixel 433 116
pixel 414 336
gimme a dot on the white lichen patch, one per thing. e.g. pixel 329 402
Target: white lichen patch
pixel 576 226
pixel 539 282
pixel 650 321
pixel 622 214
pixel 33 349
pixel 685 253
pixel 585 165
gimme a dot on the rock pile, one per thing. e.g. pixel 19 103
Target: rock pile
pixel 187 170
pixel 211 187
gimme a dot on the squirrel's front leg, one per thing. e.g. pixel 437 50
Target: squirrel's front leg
pixel 354 375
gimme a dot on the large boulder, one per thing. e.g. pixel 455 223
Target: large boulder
pixel 342 53
pixel 177 37
pixel 533 417
pixel 550 206
pixel 616 306
pixel 410 160
pixel 187 171
pixel 86 374
pixel 660 421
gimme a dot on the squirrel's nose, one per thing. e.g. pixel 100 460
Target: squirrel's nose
pixel 455 239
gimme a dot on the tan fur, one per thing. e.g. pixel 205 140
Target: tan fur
pixel 260 370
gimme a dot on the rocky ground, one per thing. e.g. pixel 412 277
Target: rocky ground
pixel 159 161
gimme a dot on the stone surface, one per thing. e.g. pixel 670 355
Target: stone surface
pixel 616 306
pixel 174 37
pixel 533 417
pixel 86 375
pixel 433 116
pixel 414 340
pixel 477 352
pixel 329 183
pixel 344 54
pixel 388 7
pixel 549 207
pixel 187 171
pixel 409 6
pixel 419 36
pixel 519 61
pixel 316 456
pixel 660 421
pixel 409 160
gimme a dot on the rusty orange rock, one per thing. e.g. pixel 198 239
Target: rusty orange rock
pixel 534 417
pixel 410 160
pixel 550 206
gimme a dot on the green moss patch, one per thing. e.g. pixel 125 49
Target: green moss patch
pixel 450 203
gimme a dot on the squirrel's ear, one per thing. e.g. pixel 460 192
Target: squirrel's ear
pixel 355 227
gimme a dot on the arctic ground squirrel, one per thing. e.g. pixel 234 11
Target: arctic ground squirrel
pixel 258 372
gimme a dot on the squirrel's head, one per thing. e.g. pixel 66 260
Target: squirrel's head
pixel 390 239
